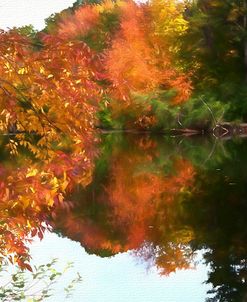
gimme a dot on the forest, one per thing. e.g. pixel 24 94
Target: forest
pixel 153 66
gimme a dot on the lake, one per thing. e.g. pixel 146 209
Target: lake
pixel 155 219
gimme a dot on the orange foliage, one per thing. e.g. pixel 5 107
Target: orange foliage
pixel 129 62
pixel 79 24
pixel 51 92
pixel 138 61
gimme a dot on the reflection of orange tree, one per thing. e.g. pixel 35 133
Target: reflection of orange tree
pixel 29 192
pixel 134 207
pixel 145 206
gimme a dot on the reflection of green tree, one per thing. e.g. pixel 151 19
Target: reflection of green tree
pixel 217 213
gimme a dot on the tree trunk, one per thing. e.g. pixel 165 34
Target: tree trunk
pixel 207 30
pixel 245 37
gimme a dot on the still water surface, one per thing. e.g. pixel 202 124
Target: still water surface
pixel 161 219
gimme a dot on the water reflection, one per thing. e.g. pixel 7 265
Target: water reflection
pixel 162 198
pixel 131 204
pixel 30 190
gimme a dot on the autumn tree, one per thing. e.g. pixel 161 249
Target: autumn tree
pixel 93 23
pixel 138 55
pixel 34 84
pixel 139 62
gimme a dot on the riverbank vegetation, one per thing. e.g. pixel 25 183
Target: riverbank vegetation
pixel 156 66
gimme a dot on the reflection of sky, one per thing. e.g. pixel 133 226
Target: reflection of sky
pixel 119 278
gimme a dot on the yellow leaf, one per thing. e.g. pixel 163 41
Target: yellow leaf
pixel 22 70
pixel 64 185
pixel 50 202
pixel 32 189
pixel 41 70
pixel 32 172
pixel 28 223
